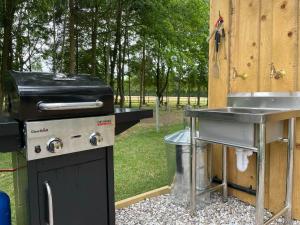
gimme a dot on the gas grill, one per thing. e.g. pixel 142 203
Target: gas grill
pixel 61 131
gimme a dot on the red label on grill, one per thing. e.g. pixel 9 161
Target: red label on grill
pixel 104 123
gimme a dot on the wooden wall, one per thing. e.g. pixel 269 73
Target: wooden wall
pixel 258 33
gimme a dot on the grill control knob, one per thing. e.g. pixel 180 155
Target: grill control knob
pixel 95 139
pixel 54 145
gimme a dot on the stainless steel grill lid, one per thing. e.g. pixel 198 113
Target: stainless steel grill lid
pixel 37 96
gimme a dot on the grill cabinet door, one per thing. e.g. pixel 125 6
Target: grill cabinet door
pixel 79 194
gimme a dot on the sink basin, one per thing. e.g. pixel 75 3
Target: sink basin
pixel 244 114
pixel 236 126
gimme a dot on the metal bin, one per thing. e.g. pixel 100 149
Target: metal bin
pixel 178 164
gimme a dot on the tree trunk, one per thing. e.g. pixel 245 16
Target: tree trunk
pixel 106 62
pixel 164 86
pixel 77 36
pixel 19 46
pixel 129 75
pixel 123 68
pixel 129 89
pixel 178 93
pixel 29 51
pixel 63 45
pixel 7 53
pixel 107 43
pixel 198 94
pixel 167 94
pixel 54 50
pixel 144 85
pixel 94 42
pixel 117 95
pixel 158 76
pixel 189 93
pixel 119 69
pixel 117 40
pixel 72 37
pixel 142 74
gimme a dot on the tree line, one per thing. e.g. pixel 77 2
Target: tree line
pixel 136 46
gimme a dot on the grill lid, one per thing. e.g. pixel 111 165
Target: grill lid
pixel 36 96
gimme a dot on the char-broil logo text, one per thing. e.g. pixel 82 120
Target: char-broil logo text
pixel 42 130
pixel 104 123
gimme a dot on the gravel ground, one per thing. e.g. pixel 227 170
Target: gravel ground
pixel 162 210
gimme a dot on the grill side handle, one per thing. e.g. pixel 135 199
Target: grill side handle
pixel 69 105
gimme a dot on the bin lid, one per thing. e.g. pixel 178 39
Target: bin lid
pixel 181 137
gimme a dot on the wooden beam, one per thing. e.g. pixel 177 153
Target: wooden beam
pixel 135 199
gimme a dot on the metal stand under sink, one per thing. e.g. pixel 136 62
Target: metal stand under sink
pixel 250 121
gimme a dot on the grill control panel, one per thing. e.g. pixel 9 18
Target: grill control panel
pixel 59 137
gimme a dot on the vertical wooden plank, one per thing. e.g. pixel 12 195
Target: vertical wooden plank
pixel 247 38
pixel 248 46
pixel 278 158
pixel 264 80
pixel 298 48
pixel 234 36
pixel 266 33
pixel 218 86
pixel 296 192
pixel 284 56
pixel 296 185
pixel 284 44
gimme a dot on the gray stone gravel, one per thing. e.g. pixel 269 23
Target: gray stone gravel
pixel 162 210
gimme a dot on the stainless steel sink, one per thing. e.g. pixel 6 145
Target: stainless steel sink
pixel 244 114
pixel 250 121
pixel 236 126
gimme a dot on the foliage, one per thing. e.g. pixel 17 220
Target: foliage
pixel 145 44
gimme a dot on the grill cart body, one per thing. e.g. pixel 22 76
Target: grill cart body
pixel 64 162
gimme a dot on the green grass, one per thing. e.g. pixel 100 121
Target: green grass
pixel 140 160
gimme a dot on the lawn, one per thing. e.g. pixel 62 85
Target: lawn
pixel 140 160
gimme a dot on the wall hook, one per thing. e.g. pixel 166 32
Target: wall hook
pixel 235 75
pixel 276 74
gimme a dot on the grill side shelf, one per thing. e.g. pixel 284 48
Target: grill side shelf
pixel 10 140
pixel 127 118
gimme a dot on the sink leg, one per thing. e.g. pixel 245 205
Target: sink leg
pixel 193 167
pixel 289 177
pixel 260 185
pixel 225 191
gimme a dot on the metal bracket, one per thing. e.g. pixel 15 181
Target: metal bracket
pixel 276 74
pixel 235 75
